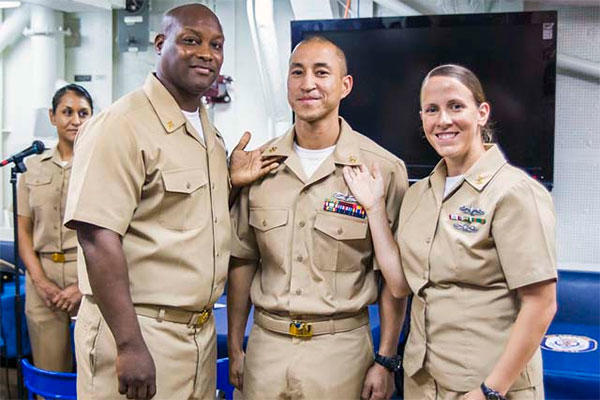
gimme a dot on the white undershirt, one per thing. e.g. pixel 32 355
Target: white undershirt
pixel 194 119
pixel 311 159
pixel 451 183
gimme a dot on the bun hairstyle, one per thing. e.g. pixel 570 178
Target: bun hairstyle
pixel 470 80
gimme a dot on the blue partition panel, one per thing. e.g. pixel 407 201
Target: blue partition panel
pixel 570 347
pixel 7 315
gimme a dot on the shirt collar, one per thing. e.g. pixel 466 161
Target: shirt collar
pixel 164 104
pixel 50 154
pixel 480 173
pixel 346 148
pixel 53 155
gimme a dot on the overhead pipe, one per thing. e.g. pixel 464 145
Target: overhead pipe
pixel 267 36
pixel 12 28
pixel 46 43
pixel 579 66
pixel 263 78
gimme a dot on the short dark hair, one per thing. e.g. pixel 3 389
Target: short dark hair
pixel 471 81
pixel 338 50
pixel 75 88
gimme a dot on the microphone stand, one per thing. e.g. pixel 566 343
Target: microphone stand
pixel 18 168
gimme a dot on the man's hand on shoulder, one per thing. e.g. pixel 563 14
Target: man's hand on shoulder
pixel 247 166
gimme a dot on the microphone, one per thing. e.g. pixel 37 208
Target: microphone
pixel 37 147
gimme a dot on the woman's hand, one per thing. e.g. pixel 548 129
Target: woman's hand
pixel 68 299
pixel 47 290
pixel 367 188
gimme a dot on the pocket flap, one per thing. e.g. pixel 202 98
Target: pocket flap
pixel 185 180
pixel 38 179
pixel 341 227
pixel 264 219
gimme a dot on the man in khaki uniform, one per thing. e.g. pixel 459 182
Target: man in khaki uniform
pixel 472 259
pixel 149 200
pixel 303 253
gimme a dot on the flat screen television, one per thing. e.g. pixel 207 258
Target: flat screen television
pixel 513 54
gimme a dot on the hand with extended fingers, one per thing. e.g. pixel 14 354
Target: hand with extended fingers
pixel 247 166
pixel 366 187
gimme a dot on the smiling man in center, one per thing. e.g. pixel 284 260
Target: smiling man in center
pixel 303 253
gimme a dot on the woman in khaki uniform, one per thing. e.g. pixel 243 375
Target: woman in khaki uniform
pixel 48 249
pixel 475 247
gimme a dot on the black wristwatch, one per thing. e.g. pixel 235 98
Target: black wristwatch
pixel 392 364
pixel 491 394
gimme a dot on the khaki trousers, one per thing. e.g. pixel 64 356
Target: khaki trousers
pixel 49 331
pixel 422 386
pixel 185 357
pixel 279 366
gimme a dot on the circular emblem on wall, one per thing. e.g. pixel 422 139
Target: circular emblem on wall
pixel 569 343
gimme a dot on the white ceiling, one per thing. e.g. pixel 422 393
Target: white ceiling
pixel 79 5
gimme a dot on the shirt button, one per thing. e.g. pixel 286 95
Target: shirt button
pixel 299 258
pixel 298 292
pixel 301 223
pixel 340 231
pixel 428 240
pixel 216 220
pixel 212 186
pixel 264 223
pixel 55 227
pixel 188 185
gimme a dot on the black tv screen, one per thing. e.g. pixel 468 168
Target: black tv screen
pixel 513 54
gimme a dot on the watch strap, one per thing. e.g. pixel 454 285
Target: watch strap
pixel 392 364
pixel 491 394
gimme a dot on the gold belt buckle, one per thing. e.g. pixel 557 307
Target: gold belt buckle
pixel 300 329
pixel 202 318
pixel 58 257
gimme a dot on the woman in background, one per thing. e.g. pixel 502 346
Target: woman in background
pixel 47 248
pixel 475 247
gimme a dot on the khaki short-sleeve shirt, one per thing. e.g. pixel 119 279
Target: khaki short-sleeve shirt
pixel 313 261
pixel 463 257
pixel 42 195
pixel 141 171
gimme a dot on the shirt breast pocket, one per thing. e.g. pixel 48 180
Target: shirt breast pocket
pixel 341 242
pixel 475 258
pixel 271 236
pixel 186 201
pixel 40 190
